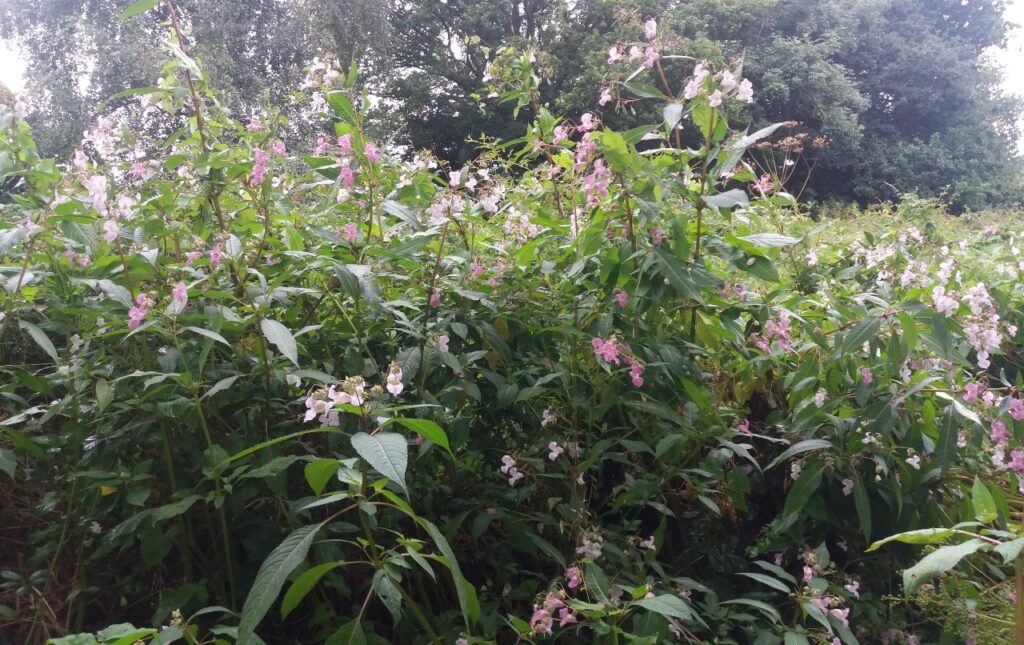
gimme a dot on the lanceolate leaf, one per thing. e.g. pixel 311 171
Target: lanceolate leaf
pixel 281 338
pixel 271 578
pixel 939 561
pixel 388 453
pixel 41 339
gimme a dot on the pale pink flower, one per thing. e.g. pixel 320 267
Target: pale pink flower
pixel 715 99
pixel 622 298
pixel 371 152
pixel 606 96
pixel 847 486
pixel 350 232
pixel 216 255
pixel 345 144
pixel 435 299
pixel 614 55
pixel 745 92
pixel 111 230
pixel 651 56
pixel 277 147
pixel 180 293
pixel 554 450
pixel 650 29
pixel 442 343
pixel 866 375
pixel 573 577
pixel 394 380
pixel 254 124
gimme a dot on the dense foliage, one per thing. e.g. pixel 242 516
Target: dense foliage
pixel 595 385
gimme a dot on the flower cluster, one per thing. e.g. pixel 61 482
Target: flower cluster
pixel 509 468
pixel 321 403
pixel 543 618
pixel 613 351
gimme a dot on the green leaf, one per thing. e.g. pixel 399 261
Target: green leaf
pixel 800 447
pixel 669 605
pixel 673 114
pixel 766 609
pixel 984 506
pixel 729 199
pixel 939 561
pixel 920 536
pixel 616 151
pixel 211 334
pixel 686 278
pixel 351 633
pixel 770 239
pixel 221 385
pixel 388 453
pixel 281 338
pixel 8 462
pixel 861 333
pixel 426 429
pixel 804 486
pixel 41 339
pixel 468 602
pixel 139 7
pixel 863 506
pixel 774 583
pixel 319 472
pixel 303 585
pixel 388 594
pixel 1010 550
pixel 271 578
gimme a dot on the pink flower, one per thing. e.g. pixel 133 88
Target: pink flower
pixel 561 134
pixel 745 92
pixel 80 160
pixel 1017 409
pixel 541 621
pixel 657 236
pixel 605 350
pixel 573 577
pixel 971 392
pixel 277 147
pixel 715 99
pixel 442 343
pixel 614 55
pixel 1017 461
pixel 21 109
pixel 866 375
pixel 348 176
pixel 435 298
pixel 650 29
pixel 111 230
pixel 555 450
pixel 322 146
pixel 371 152
pixel 180 293
pixel 853 589
pixel 254 124
pixel 565 617
pixel 192 256
pixel 586 122
pixel 394 380
pixel 651 56
pixel 842 614
pixel 138 169
pixel 745 427
pixel 350 232
pixel 143 304
pixel 345 144
pixel 998 433
pixel 622 298
pixel 606 96
pixel 636 373
pixel 215 256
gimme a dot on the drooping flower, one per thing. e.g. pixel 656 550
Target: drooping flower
pixel 143 303
pixel 111 229
pixel 435 299
pixel 657 236
pixel 636 374
pixel 651 56
pixel 573 577
pixel 614 55
pixel 394 380
pixel 715 99
pixel 866 375
pixel 971 392
pixel 744 427
pixel 180 293
pixel 745 91
pixel 254 124
pixel 350 232
pixel 606 96
pixel 216 255
pixel 442 343
pixel 1017 409
pixel 847 486
pixel 277 147
pixel 606 350
pixel 21 109
pixel 650 29
pixel 554 450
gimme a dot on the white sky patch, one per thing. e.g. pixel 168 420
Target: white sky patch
pixel 1011 58
pixel 12 68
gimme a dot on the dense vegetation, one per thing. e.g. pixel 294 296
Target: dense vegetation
pixel 898 91
pixel 595 384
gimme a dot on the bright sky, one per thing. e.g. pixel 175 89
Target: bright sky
pixel 1011 59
